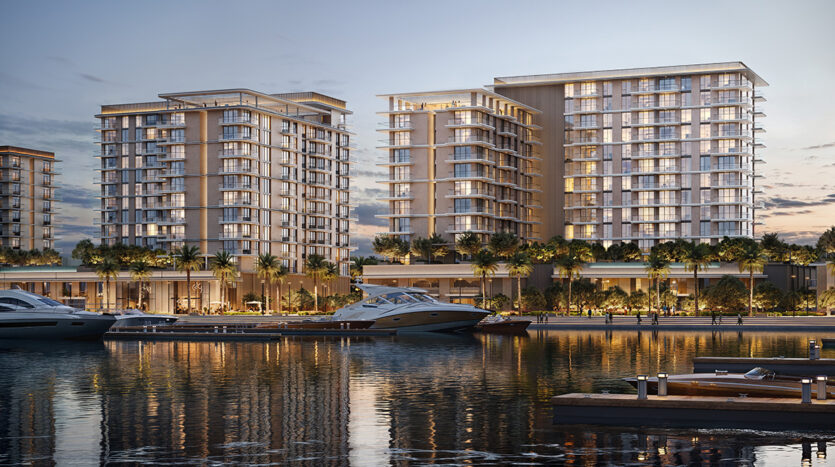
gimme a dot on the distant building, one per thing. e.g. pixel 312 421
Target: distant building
pixel 27 198
pixel 234 170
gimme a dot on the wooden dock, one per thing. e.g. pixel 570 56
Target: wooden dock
pixel 693 412
pixel 233 333
pixel 783 366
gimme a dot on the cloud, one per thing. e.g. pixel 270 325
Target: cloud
pixel 92 78
pixel 819 146
pixel 366 214
pixel 82 197
pixel 789 203
pixel 792 213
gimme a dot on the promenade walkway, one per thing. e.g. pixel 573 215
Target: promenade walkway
pixel 691 323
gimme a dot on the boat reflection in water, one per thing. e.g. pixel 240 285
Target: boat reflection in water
pixel 420 398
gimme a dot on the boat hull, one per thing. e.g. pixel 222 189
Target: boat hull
pixel 147 320
pixel 56 328
pixel 430 320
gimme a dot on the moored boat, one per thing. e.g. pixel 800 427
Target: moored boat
pixel 133 317
pixel 25 315
pixel 759 382
pixel 409 309
pixel 503 326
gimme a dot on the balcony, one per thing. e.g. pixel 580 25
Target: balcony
pixel 239 120
pixel 231 202
pixel 239 187
pixel 481 140
pixel 236 153
pixel 731 84
pixel 238 169
pixel 468 123
pixel 395 126
pixel 236 220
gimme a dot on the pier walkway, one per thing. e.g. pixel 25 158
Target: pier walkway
pixel 689 323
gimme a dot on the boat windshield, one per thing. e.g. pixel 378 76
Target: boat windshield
pixel 400 298
pixel 421 297
pixel 760 373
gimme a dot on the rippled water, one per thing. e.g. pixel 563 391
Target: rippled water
pixel 368 401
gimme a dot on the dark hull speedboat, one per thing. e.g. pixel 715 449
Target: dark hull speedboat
pixel 506 326
pixel 758 382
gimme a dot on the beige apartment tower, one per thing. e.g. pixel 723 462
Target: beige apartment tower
pixel 235 170
pixel 647 155
pixel 27 198
pixel 458 161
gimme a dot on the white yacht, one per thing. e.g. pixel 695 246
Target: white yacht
pixel 24 315
pixel 409 309
pixel 134 317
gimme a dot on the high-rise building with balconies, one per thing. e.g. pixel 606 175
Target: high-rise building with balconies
pixel 234 170
pixel 647 154
pixel 27 198
pixel 459 161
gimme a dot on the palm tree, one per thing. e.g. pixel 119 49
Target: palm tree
pixel 315 267
pixel 484 264
pixel 569 266
pixel 697 258
pixel 467 244
pixel 658 268
pixel 188 259
pixel 358 262
pixel 504 244
pixel 751 259
pixel 140 271
pixel 280 275
pixel 225 271
pixel 265 266
pixel 331 273
pixel 437 246
pixel 519 265
pixel 106 270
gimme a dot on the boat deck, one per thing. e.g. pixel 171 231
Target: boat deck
pixel 782 366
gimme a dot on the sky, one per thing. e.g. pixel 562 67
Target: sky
pixel 60 61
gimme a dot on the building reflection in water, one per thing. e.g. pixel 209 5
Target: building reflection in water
pixel 317 401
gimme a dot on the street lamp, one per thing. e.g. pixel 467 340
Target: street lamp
pixel 263 297
pixel 460 297
pixel 794 311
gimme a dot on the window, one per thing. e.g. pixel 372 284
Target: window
pixel 685 84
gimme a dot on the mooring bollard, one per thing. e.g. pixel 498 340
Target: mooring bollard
pixel 224 329
pixel 817 352
pixel 215 329
pixel 812 354
pixel 642 386
pixel 821 387
pixel 153 329
pixel 348 325
pixel 662 384
pixel 145 328
pixel 806 391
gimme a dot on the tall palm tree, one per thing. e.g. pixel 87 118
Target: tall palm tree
pixel 751 259
pixel 358 262
pixel 225 271
pixel 265 266
pixel 106 270
pixel 569 266
pixel 467 244
pixel 484 264
pixel 658 268
pixel 315 267
pixel 519 265
pixel 696 258
pixel 140 271
pixel 331 273
pixel 280 275
pixel 188 259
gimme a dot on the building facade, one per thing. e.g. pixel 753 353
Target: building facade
pixel 648 155
pixel 234 170
pixel 27 198
pixel 459 161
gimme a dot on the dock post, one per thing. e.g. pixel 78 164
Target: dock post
pixel 662 384
pixel 642 386
pixel 812 353
pixel 821 387
pixel 215 329
pixel 806 391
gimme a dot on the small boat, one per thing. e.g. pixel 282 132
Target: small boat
pixel 759 382
pixel 409 309
pixel 133 317
pixel 503 326
pixel 25 315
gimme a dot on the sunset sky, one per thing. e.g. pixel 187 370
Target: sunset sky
pixel 62 60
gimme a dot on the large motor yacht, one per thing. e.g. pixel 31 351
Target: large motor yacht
pixel 409 309
pixel 24 315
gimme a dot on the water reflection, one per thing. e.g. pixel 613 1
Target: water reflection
pixel 465 399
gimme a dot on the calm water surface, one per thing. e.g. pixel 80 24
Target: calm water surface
pixel 336 401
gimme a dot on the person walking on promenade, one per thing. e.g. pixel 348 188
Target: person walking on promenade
pixel 712 317
pixel 655 319
pixel 639 319
pixel 739 319
pixel 589 312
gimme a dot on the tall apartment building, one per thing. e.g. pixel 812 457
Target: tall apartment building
pixel 235 170
pixel 647 154
pixel 461 160
pixel 27 198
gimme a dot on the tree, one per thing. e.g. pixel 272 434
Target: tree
pixel 188 259
pixel 280 275
pixel 767 296
pixel 265 266
pixel 727 295
pixel 391 247
pixel 106 270
pixel 751 259
pixel 774 248
pixel 140 271
pixel 533 299
pixel 827 299
pixel 484 264
pixel 225 271
pixel 467 244
pixel 519 265
pixel 802 255
pixel 697 258
pixel 331 272
pixel 585 292
pixel 84 251
pixel 437 247
pixel 826 242
pixel 315 267
pixel 615 298
pixel 357 263
pixel 554 296
pixel 503 244
pixel 569 267
pixel 658 268
pixel 636 300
